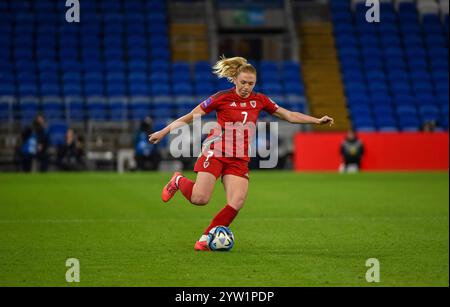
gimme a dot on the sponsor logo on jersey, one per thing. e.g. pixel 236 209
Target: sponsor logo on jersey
pixel 207 102
pixel 233 104
pixel 253 103
pixel 243 104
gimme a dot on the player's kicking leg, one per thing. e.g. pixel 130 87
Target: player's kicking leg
pixel 196 192
pixel 236 189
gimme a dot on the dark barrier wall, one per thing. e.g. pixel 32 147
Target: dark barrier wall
pixel 383 151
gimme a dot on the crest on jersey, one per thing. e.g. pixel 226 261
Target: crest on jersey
pixel 253 103
pixel 205 164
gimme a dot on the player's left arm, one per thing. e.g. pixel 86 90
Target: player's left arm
pixel 300 118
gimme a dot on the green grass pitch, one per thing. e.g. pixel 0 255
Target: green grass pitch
pixel 295 230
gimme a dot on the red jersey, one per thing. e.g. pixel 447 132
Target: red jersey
pixel 236 117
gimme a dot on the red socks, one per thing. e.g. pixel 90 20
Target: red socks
pixel 224 218
pixel 185 185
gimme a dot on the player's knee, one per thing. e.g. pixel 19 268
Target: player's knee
pixel 200 199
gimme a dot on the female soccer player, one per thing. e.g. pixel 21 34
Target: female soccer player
pixel 238 105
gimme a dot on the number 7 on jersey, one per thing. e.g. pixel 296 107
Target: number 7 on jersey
pixel 245 116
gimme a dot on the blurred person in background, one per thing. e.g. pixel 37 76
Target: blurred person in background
pixel 41 133
pixel 28 149
pixel 146 154
pixel 429 126
pixel 352 150
pixel 35 145
pixel 70 154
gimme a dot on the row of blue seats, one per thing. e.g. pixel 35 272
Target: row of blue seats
pixel 403 121
pixel 116 108
pixel 75 78
pixel 402 88
pixel 391 40
pixel 265 67
pixel 388 7
pixel 286 69
pixel 391 124
pixel 415 26
pixel 89 19
pixel 358 74
pixel 105 5
pixel 424 110
pixel 406 15
pixel 403 18
pixel 21 38
pixel 354 58
pixel 395 73
pixel 382 98
pixel 123 89
pixel 160 65
pixel 88 57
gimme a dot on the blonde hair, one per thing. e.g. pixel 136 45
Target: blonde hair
pixel 230 68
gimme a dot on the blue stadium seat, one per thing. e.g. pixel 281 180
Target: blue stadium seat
pixel 118 109
pixel 139 89
pixel 96 108
pixel 204 88
pixel 401 87
pixel 295 88
pixel 137 66
pixel 409 123
pixel 29 107
pixel 116 89
pixel 429 113
pixel 139 107
pixel 386 123
pixel 364 124
pixel 404 100
pixel 57 133
pixel 202 67
pixel 50 88
pixel 159 89
pixel 275 88
pixel 223 84
pixel 6 109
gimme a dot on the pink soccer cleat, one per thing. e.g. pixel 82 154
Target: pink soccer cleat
pixel 171 188
pixel 201 246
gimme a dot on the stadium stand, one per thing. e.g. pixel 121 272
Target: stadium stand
pixel 395 72
pixel 116 65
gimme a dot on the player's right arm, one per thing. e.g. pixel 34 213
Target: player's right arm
pixel 157 136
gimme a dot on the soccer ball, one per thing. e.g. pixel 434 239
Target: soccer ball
pixel 220 238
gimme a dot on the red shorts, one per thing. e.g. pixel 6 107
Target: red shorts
pixel 222 166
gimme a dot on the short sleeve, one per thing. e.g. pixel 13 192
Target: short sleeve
pixel 209 105
pixel 269 105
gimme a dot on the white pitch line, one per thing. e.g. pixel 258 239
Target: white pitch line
pixel 378 218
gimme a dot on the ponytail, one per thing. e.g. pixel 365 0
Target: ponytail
pixel 232 67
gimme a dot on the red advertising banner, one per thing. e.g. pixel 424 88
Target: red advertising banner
pixel 383 151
